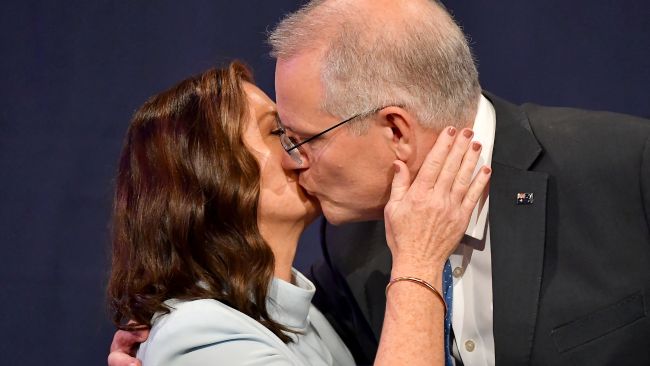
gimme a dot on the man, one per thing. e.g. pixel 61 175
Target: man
pixel 554 265
pixel 554 268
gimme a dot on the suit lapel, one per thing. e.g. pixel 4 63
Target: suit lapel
pixel 367 271
pixel 517 234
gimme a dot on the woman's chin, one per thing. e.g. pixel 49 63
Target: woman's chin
pixel 313 211
pixel 300 209
pixel 311 204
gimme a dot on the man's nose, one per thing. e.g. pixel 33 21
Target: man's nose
pixel 288 163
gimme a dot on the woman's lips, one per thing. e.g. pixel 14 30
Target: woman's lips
pixel 305 188
pixel 303 185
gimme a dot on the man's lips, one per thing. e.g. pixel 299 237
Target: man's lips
pixel 308 191
pixel 301 183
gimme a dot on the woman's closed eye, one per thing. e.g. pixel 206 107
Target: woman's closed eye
pixel 280 131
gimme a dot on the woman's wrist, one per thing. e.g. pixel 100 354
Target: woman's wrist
pixel 429 272
pixel 422 284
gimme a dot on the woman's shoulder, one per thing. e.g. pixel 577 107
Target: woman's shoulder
pixel 208 330
pixel 202 312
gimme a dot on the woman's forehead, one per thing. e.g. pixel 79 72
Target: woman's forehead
pixel 258 99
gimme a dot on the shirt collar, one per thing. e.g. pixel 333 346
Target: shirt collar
pixel 288 304
pixel 484 129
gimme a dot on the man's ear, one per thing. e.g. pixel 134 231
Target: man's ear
pixel 402 126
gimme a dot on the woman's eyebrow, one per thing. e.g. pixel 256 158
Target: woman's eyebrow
pixel 279 121
pixel 272 117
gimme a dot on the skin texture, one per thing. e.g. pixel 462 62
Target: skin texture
pixel 284 209
pixel 349 174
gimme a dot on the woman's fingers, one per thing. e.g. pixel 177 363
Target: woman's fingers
pixel 466 171
pixel 426 219
pixel 434 161
pixel 124 347
pixel 442 164
pixel 451 167
pixel 401 181
pixel 476 190
pixel 127 341
pixel 117 358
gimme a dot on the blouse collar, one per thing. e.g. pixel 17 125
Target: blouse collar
pixel 288 303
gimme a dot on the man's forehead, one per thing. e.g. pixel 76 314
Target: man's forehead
pixel 299 92
pixel 290 121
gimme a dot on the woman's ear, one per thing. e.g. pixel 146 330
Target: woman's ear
pixel 402 126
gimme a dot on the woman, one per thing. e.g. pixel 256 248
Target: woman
pixel 206 224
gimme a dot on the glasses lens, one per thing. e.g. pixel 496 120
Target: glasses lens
pixel 289 144
pixel 286 143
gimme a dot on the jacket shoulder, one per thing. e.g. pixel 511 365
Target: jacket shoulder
pixel 207 330
pixel 604 137
pixel 569 122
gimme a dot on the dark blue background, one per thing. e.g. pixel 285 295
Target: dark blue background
pixel 73 72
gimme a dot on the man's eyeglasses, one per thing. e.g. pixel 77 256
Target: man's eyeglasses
pixel 291 145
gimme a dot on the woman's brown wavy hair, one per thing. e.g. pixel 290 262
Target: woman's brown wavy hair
pixel 185 207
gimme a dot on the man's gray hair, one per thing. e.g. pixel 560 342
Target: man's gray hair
pixel 419 59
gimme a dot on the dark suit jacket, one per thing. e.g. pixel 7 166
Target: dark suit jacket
pixel 570 272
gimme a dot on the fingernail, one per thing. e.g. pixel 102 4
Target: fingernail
pixel 487 170
pixel 396 168
pixel 476 146
pixel 468 133
pixel 451 131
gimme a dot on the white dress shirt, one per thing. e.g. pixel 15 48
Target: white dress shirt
pixel 208 332
pixel 472 266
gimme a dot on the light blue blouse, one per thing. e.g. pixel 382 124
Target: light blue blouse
pixel 207 332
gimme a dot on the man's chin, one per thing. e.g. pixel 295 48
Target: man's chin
pixel 337 216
